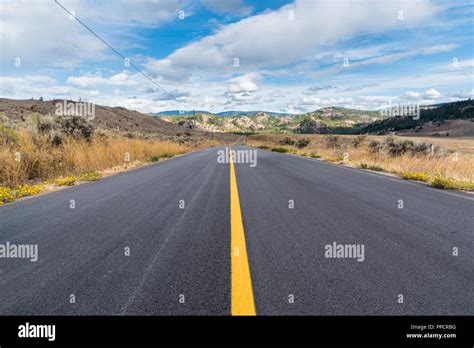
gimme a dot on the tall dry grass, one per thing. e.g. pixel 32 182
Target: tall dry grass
pixel 32 157
pixel 451 162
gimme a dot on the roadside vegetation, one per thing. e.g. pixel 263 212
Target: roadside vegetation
pixel 446 166
pixel 57 151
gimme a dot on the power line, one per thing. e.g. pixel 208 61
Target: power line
pixel 116 51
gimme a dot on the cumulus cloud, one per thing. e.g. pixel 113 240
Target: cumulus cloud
pixel 42 33
pixel 244 83
pixel 121 79
pixel 31 85
pixel 274 38
pixel 377 98
pixel 283 62
pixel 432 94
pixel 315 101
pixel 412 95
pixel 242 89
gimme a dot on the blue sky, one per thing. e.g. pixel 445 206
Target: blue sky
pixel 283 56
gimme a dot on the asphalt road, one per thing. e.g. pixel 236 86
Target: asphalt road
pixel 180 259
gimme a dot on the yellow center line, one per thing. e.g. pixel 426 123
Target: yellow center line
pixel 241 289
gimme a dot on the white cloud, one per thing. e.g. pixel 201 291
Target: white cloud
pixel 41 33
pixel 243 89
pixel 245 83
pixel 121 79
pixel 243 97
pixel 412 95
pixel 138 13
pixel 273 39
pixel 86 81
pixel 271 49
pixel 30 85
pixel 315 101
pixel 432 94
pixel 390 58
pixel 377 98
pixel 463 94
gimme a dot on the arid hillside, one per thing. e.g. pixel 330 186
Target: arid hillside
pixel 107 118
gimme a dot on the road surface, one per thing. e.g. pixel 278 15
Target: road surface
pixel 129 246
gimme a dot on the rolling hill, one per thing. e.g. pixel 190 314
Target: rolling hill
pixel 230 113
pixel 318 121
pixel 107 118
pixel 431 118
pixel 439 119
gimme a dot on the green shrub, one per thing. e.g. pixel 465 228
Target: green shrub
pixel 315 155
pixel 303 142
pixel 56 127
pixel 287 141
pixel 280 149
pixel 398 148
pixel 332 141
pixel 375 146
pixel 76 126
pixel 422 149
pixel 358 140
pixel 154 158
pixel 7 135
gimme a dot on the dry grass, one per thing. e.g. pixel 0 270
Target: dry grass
pixel 454 161
pixel 32 157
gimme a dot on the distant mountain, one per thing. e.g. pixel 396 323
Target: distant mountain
pixel 321 121
pixel 336 119
pixel 180 112
pixel 250 113
pixel 230 113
